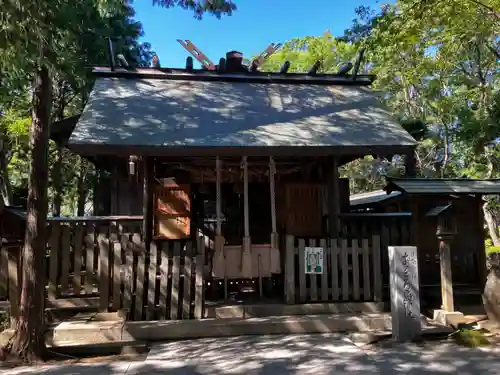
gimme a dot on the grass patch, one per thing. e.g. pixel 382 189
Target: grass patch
pixel 470 338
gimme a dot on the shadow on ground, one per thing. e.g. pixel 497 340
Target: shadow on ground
pixel 291 354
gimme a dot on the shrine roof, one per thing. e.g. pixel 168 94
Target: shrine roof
pixel 157 110
pixel 443 186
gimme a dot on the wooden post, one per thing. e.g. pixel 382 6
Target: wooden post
pixel 199 288
pixel 148 203
pixel 220 255
pixel 482 272
pixel 272 189
pixel 333 197
pixel 445 237
pixel 218 197
pixel 246 256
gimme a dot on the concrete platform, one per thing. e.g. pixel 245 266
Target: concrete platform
pixel 108 331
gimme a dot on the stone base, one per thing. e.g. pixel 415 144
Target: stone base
pixel 102 332
pixel 448 318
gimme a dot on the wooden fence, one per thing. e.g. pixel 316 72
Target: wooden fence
pixel 351 271
pixel 106 264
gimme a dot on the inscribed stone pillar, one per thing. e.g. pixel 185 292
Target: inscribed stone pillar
pixel 404 293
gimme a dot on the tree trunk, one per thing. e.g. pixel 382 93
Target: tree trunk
pixel 28 343
pixel 492 225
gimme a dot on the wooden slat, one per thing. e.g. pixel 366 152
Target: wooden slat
pixel 334 261
pixel 324 276
pixel 152 281
pixel 290 270
pixel 104 252
pixel 377 270
pixel 176 265
pixel 313 279
pixel 199 283
pixel 344 258
pixel 65 258
pixel 117 275
pixel 4 278
pixel 89 261
pixel 186 304
pixel 77 247
pixel 355 270
pixel 129 270
pixel 139 286
pixel 54 253
pixel 367 294
pixel 163 281
pixel 302 272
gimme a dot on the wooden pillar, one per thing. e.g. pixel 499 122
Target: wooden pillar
pixel 219 256
pixel 481 247
pixel 147 203
pixel 218 203
pixel 246 256
pixel 272 189
pixel 445 237
pixel 333 196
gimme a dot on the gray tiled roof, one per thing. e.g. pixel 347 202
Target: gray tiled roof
pixel 444 186
pixel 162 112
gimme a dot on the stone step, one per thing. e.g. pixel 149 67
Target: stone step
pixel 83 349
pixel 91 332
pixel 266 310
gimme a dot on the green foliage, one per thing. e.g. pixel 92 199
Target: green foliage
pixel 217 8
pixel 302 53
pixel 470 338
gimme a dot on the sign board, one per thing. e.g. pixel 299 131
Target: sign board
pixel 314 260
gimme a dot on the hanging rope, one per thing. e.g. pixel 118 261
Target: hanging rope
pixel 218 198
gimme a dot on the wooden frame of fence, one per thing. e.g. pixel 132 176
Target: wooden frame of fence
pixel 352 271
pixel 108 266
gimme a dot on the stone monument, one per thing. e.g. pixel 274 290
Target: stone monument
pixel 491 293
pixel 404 292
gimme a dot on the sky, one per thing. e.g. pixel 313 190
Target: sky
pixel 254 25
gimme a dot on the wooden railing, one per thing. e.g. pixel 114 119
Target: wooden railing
pixel 351 271
pixel 394 229
pixel 104 263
